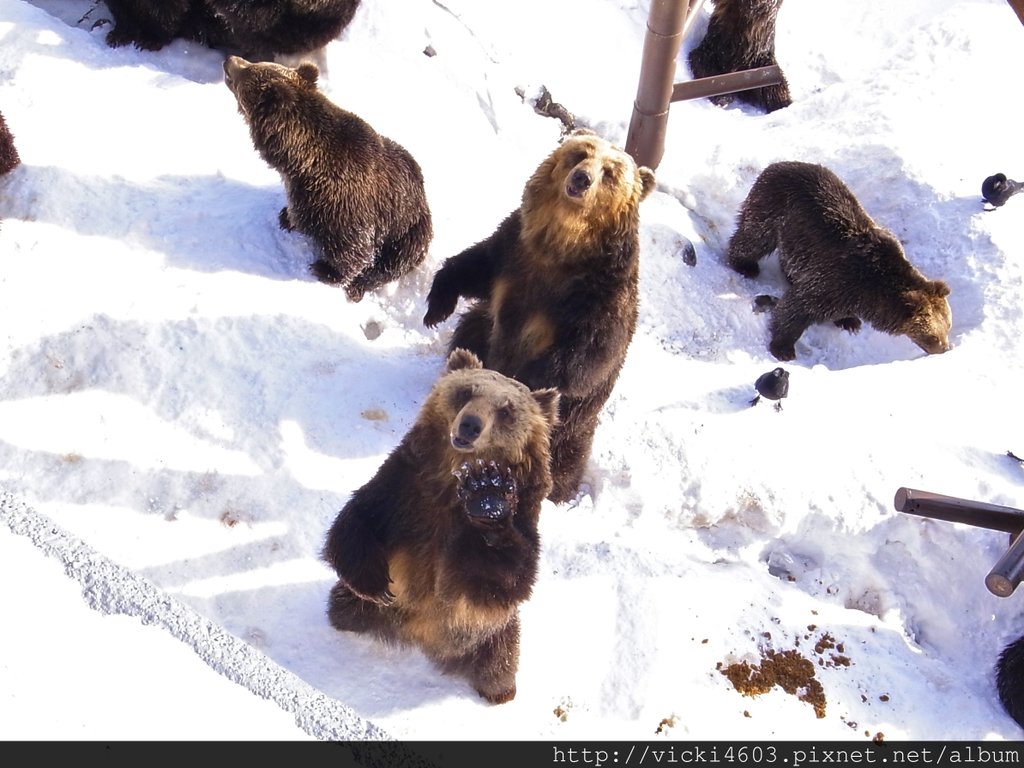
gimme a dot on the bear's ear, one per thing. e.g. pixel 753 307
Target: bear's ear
pixel 309 72
pixel 581 132
pixel 940 287
pixel 647 181
pixel 462 358
pixel 547 399
pixel 279 93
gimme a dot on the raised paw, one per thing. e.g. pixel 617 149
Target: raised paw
pixel 488 493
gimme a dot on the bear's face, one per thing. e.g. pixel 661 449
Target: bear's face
pixel 584 192
pixel 930 317
pixel 587 172
pixel 258 86
pixel 488 416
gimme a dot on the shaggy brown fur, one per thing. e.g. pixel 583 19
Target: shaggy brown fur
pixel 741 36
pixel 8 152
pixel 841 266
pixel 556 289
pixel 439 555
pixel 357 194
pixel 1010 679
pixel 258 29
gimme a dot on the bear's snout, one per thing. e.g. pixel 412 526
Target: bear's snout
pixel 233 65
pixel 579 182
pixel 466 433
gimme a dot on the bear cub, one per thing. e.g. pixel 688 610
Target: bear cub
pixel 357 194
pixel 441 546
pixel 555 289
pixel 841 266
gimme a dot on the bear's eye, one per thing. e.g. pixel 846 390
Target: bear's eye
pixel 577 157
pixel 608 175
pixel 505 414
pixel 461 396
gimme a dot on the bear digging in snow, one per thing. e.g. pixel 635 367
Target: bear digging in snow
pixel 741 36
pixel 441 546
pixel 841 266
pixel 257 29
pixel 358 195
pixel 555 289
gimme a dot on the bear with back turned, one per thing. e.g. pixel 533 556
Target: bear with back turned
pixel 741 36
pixel 257 29
pixel 358 195
pixel 841 266
pixel 1010 679
pixel 9 157
pixel 441 546
pixel 555 289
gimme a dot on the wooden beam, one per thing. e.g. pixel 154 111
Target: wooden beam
pixel 731 82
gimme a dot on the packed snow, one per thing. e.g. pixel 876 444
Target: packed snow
pixel 184 408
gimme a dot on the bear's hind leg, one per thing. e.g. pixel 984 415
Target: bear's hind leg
pixel 570 451
pixel 773 97
pixel 395 259
pixel 473 333
pixel 492 666
pixel 350 613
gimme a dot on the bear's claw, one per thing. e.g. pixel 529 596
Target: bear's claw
pixel 488 493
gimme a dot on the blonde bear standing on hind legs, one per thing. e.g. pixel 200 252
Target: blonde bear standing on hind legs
pixel 555 289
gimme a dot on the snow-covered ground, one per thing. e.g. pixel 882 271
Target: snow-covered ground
pixel 184 409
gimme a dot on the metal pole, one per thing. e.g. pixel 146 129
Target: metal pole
pixel 645 140
pixel 956 510
pixel 1008 571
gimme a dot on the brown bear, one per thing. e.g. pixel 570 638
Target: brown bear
pixel 840 265
pixel 441 546
pixel 1010 679
pixel 257 29
pixel 9 157
pixel 555 289
pixel 358 195
pixel 741 36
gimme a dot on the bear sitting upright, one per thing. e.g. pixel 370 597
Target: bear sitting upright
pixel 441 546
pixel 556 289
pixel 741 36
pixel 357 194
pixel 841 266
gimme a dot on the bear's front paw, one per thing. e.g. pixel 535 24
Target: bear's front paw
pixel 488 493
pixel 851 324
pixel 440 304
pixel 782 351
pixel 284 220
